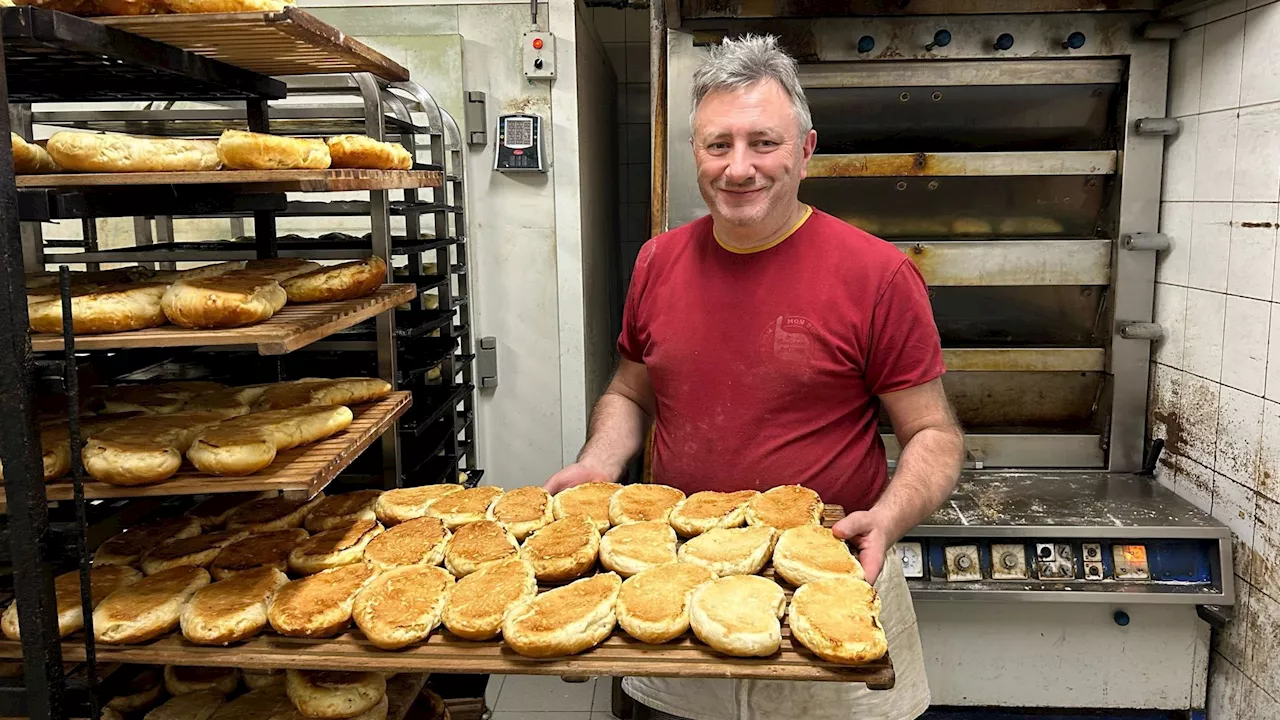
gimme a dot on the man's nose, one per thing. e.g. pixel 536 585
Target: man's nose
pixel 741 166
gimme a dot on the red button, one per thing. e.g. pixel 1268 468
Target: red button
pixel 517 152
pixel 537 43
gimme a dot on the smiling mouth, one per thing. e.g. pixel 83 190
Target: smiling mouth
pixel 747 191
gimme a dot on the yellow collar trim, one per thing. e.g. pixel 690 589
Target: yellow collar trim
pixel 808 210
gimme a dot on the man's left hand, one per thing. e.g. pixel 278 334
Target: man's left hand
pixel 865 530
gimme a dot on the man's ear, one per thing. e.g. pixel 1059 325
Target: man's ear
pixel 807 148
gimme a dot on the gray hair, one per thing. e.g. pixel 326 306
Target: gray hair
pixel 739 63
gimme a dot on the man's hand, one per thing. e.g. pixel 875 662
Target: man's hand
pixel 575 474
pixel 867 532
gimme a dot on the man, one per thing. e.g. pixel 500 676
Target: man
pixel 762 340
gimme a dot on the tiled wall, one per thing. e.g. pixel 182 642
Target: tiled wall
pixel 1216 374
pixel 625 34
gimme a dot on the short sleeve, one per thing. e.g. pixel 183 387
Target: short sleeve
pixel 633 339
pixel 905 350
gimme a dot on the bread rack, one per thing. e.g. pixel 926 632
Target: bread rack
pixel 53 57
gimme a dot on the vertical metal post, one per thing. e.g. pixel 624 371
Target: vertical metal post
pixel 454 159
pixel 143 237
pixel 89 230
pixel 658 117
pixel 28 512
pixel 264 221
pixel 164 236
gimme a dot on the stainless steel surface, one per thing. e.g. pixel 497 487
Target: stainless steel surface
pixel 931 73
pixel 959 263
pixel 1024 359
pixel 1026 450
pixel 1050 592
pixel 1026 401
pixel 970 164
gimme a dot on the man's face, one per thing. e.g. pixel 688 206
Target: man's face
pixel 749 152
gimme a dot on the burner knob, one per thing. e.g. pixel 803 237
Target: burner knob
pixel 1046 553
pixel 1004 42
pixel 963 562
pixel 942 38
pixel 866 44
pixel 1009 561
pixel 1074 41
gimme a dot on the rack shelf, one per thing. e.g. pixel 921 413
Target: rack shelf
pixel 291 42
pixel 219 250
pixel 293 327
pixel 211 122
pixel 307 469
pixel 257 181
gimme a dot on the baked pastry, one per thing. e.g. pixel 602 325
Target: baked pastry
pixel 180 679
pixel 590 499
pixel 468 506
pixel 708 509
pixel 231 610
pixel 128 7
pixel 730 551
pixel 66 590
pixel 198 705
pixel 55 453
pixel 334 695
pixel 402 605
pixel 362 151
pixel 102 309
pixel 522 510
pixel 239 150
pixel 739 615
pixel 416 542
pixel 157 399
pixel 377 712
pixel 319 605
pixel 266 703
pixel 264 550
pixel 30 158
pixel 113 153
pixel 564 550
pixel 333 548
pixel 566 620
pixel 476 544
pixel 148 608
pixel 338 511
pixel 128 547
pixel 214 512
pixel 144 450
pixel 239 399
pixel 811 552
pixel 197 551
pixel 637 503
pixel 784 507
pixel 317 392
pixel 638 546
pixel 479 602
pixel 653 606
pixel 258 678
pixel 223 301
pixel 839 620
pixel 74 7
pixel 227 6
pixel 345 281
pixel 279 269
pixel 272 513
pixel 141 691
pixel 250 443
pixel 397 506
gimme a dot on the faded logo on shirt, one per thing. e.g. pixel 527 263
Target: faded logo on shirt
pixel 790 340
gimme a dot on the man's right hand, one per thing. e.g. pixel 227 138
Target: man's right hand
pixel 575 474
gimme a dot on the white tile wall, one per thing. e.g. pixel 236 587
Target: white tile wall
pixel 1218 400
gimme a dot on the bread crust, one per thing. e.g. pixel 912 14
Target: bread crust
pixel 638 503
pixel 30 158
pixel 214 512
pixel 638 546
pixel 250 443
pixel 333 548
pixel 402 606
pixel 180 680
pixel 113 153
pixel 144 450
pixel 653 606
pixel 338 511
pixel 128 547
pixel 785 507
pixel 730 551
pixel 318 605
pixel 362 151
pixel 564 550
pixel 345 281
pixel 705 510
pixel 839 620
pixel 239 150
pixel 522 510
pixel 198 705
pixel 272 513
pixel 197 551
pixel 255 678
pixel 222 301
pixel 739 615
pixel 263 550
pixel 417 542
pixel 477 544
pixel 565 620
pixel 479 603
pixel 231 610
pixel 315 392
pixel 328 695
pixel 103 581
pixel 397 506
pixel 811 552
pixel 227 6
pixel 465 507
pixel 279 269
pixel 590 499
pixel 148 608
pixel 98 310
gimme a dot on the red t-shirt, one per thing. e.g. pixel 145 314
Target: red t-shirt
pixel 766 365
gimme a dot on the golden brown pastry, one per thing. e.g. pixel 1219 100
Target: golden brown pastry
pixel 739 615
pixel 402 606
pixel 638 546
pixel 653 606
pixel 113 153
pixel 811 552
pixel 319 605
pixel 128 547
pixel 479 602
pixel 590 499
pixel 562 551
pixel 421 541
pixel 148 608
pixel 239 150
pixel 333 548
pixel 637 503
pixel 103 581
pixel 784 507
pixel 214 512
pixel 96 310
pixel 314 392
pixel 222 301
pixel 522 511
pixel 566 620
pixel 231 610
pixel 269 549
pixel 279 269
pixel 250 443
pixel 362 151
pixel 839 620
pixel 197 551
pixel 731 551
pixel 327 695
pixel 345 281
pixel 30 158
pixel 273 513
pixel 397 506
pixel 705 510
pixel 144 450
pixel 476 544
pixel 338 511
pixel 468 506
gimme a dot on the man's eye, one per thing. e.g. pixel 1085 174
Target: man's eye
pixel 719 146
pixel 766 143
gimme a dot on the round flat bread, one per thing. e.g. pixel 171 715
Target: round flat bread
pixel 268 549
pixel 564 550
pixel 403 605
pixel 523 511
pixel 339 511
pixel 397 506
pixel 468 506
pixel 333 548
pixel 637 503
pixel 653 606
pixel 739 615
pixel 566 620
pixel 636 547
pixel 479 602
pixel 839 620
pixel 811 552
pixel 785 507
pixel 477 544
pixel 730 551
pixel 273 513
pixel 705 510
pixel 421 541
pixel 590 499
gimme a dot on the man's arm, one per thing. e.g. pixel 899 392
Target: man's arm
pixel 616 432
pixel 928 468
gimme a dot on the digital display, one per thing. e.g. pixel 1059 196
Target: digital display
pixel 518 133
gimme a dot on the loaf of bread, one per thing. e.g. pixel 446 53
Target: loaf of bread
pixel 155 399
pixel 562 551
pixel 241 150
pixel 231 610
pixel 784 507
pixel 705 510
pixel 148 608
pixel 29 158
pixel 272 513
pixel 184 679
pixel 477 544
pixel 362 151
pixel 222 301
pixel 66 589
pixel 214 512
pixel 739 615
pixel 344 281
pixel 566 620
pixel 144 450
pixel 279 269
pixel 590 499
pixel 339 511
pixel 112 153
pixel 638 503
pixel 402 606
pixel 102 309
pixel 462 508
pixel 263 550
pixel 198 551
pixel 479 602
pixel 128 547
pixel 319 605
pixel 731 551
pixel 811 552
pixel 227 6
pixel 653 606
pixel 315 392
pixel 328 695
pixel 522 511
pixel 638 546
pixel 248 444
pixel 333 548
pixel 402 504
pixel 421 541
pixel 839 620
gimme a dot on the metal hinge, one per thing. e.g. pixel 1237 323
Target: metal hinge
pixel 475 119
pixel 487 362
pixel 1146 241
pixel 1140 330
pixel 1158 126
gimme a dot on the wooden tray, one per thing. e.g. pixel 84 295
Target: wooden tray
pixel 293 327
pixel 292 42
pixel 307 469
pixel 257 181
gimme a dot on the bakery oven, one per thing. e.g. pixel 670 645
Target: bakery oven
pixel 1016 159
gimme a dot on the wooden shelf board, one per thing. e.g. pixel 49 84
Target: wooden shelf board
pixel 258 181
pixel 295 326
pixel 306 469
pixel 292 42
